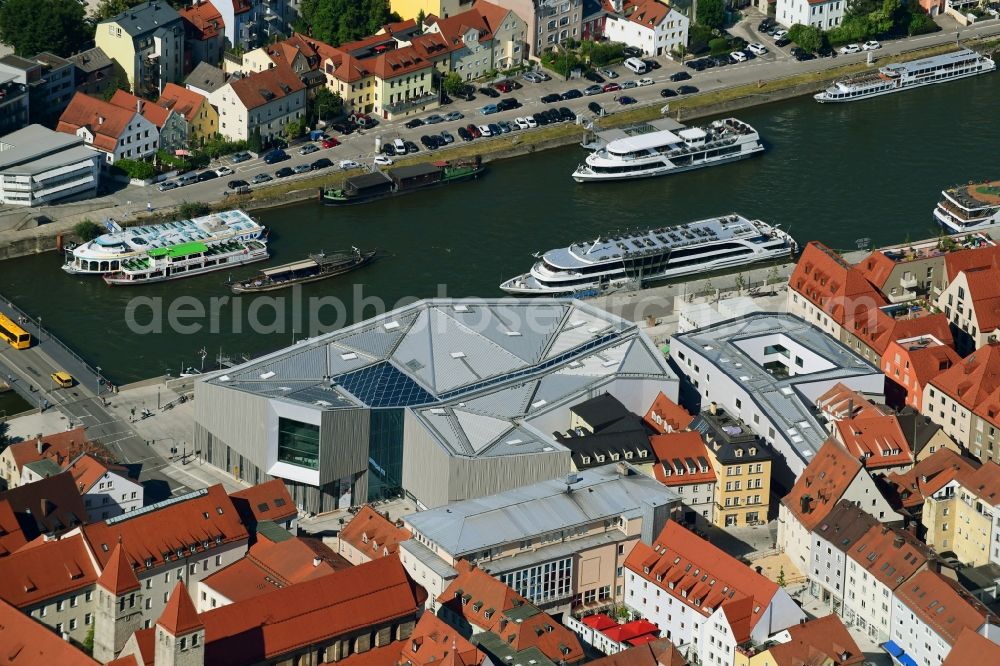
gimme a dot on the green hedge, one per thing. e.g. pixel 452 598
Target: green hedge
pixel 134 169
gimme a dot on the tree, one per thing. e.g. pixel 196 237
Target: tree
pixel 190 209
pixel 452 83
pixel 325 104
pixel 87 230
pixel 255 144
pixel 421 17
pixel 339 21
pixel 30 26
pixel 118 82
pixel 108 8
pixel 711 13
pixel 88 642
pixel 294 128
pixel 808 37
pixel 781 577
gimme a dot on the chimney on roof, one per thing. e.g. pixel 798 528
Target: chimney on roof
pixel 850 407
pixel 100 120
pixel 317 561
pixel 898 541
pixel 713 409
pixel 804 503
pixel 40 444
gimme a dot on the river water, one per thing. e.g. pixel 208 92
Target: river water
pixel 835 173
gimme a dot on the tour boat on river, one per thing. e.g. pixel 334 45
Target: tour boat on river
pixel 316 267
pixel 187 259
pixel 969 207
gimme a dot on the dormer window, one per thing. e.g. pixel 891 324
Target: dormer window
pixel 753 450
pixel 659 578
pixel 739 453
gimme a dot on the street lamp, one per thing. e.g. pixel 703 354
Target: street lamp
pixel 39 328
pixel 98 381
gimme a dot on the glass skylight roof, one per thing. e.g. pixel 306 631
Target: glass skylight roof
pixel 382 385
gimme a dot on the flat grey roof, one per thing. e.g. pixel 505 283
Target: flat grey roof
pixel 425 556
pixel 36 148
pixel 600 493
pixel 206 77
pixel 93 59
pixel 150 16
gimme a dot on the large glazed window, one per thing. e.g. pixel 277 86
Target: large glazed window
pixel 298 443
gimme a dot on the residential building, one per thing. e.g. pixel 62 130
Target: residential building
pixel 50 507
pixel 474 399
pixel 683 465
pixel 559 543
pixel 550 22
pixel 971 648
pixel 12 536
pixel 27 638
pixel 824 641
pixel 299 52
pixel 911 363
pixel 267 502
pixel 204 34
pixel 651 25
pixel 742 464
pixel 58 447
pixel 431 643
pixel 878 564
pixel 50 80
pixel 369 536
pixel 263 102
pixel 971 302
pixel 14 104
pixel 484 38
pixel 704 600
pixel 410 9
pixel 110 130
pixel 928 476
pixel 480 604
pixel 665 415
pixel 607 636
pixel 148 42
pixel 108 490
pixel 404 83
pixel 822 14
pixel 920 630
pixel 94 71
pixel 767 370
pixel 39 166
pixel 959 516
pixel 197 120
pixel 960 400
pixel 595 14
pixel 833 475
pixel 830 540
pixel 250 23
pixel 205 79
pixel 924 436
pixel 602 430
pixel 870 432
pixel 171 129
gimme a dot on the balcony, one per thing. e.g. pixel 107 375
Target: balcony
pixel 411 103
pixel 909 282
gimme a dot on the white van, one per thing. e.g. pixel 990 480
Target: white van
pixel 636 65
pixel 400 146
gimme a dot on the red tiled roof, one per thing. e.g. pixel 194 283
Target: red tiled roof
pixel 541 631
pixel 984 294
pixel 118 576
pixel 683 454
pixel 841 402
pixel 262 88
pixel 179 616
pixel 966 260
pixel 434 643
pixel 202 20
pixel 647 13
pixel 26 642
pixel 748 593
pixel 971 648
pixel 58 447
pixel 817 640
pixel 659 652
pixel 286 50
pixel 399 62
pixel 181 100
pixel 876 267
pixel 385 655
pixel 924 359
pixel 265 501
pixel 88 470
pixel 942 605
pixel 974 379
pixel 340 604
pixel 150 111
pixel 877 329
pixel 665 415
pixel 48 505
pixel 103 119
pixel 929 475
pixel 984 482
pixel 196 521
pixel 877 439
pixel 832 285
pixel 11 536
pixel 373 534
pixel 890 556
pixel 52 569
pixel 454 27
pixel 821 485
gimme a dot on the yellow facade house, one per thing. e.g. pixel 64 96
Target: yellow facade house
pixel 742 466
pixel 959 516
pixel 202 118
pixel 410 9
pixel 148 42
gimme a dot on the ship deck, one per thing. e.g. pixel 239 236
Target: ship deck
pixel 604 137
pixel 977 195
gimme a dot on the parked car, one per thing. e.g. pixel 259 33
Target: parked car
pixel 224 171
pixel 484 130
pixel 495 129
pixel 531 122
pixel 464 134
pixel 802 56
pixel 428 142
pixel 632 52
pixel 411 147
pixel 508 103
pixel 782 41
pixel 551 98
pixel 595 108
pixel 489 92
pixel 276 156
pixel 610 73
pixel 388 149
pixel 738 56
pixel 555 115
pixel 433 119
pixel 308 149
pixel 167 185
pixel 644 82
pixel 572 93
pixel 301 168
pixel 757 48
pixel 331 142
pixel 488 109
pixel 348 164
pixel 651 64
pixel 628 85
pixel 454 115
pixel 870 45
pixel 778 34
pixel 207 175
pixel 849 49
pixel 532 77
pixel 414 123
pixel 625 99
pixel 567 114
pixel 382 160
pixel 241 156
pixel 235 184
pixel 447 137
pixel 594 76
pixel 697 65
pixel 474 131
pixel 686 90
pixel 668 92
pixel 542 75
pixel 611 87
pixel 521 122
pixel 466 92
pixel 283 172
pixel 593 90
pixel 680 76
pixel 261 178
pixel 766 24
pixel 541 119
pixel 507 85
pixel 505 126
pixel 321 163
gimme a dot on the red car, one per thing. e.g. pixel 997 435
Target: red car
pixel 474 131
pixel 330 142
pixel 504 86
pixel 611 87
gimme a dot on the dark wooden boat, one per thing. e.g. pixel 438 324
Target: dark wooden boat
pixel 316 267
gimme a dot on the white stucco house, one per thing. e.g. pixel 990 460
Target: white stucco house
pixel 653 26
pixel 822 14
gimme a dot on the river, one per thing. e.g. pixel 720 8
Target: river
pixel 835 173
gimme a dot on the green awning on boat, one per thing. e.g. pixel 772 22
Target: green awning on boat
pixel 182 250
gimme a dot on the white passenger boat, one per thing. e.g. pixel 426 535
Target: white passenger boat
pixel 106 253
pixel 969 207
pixel 185 260
pixel 657 254
pixel 666 151
pixel 905 75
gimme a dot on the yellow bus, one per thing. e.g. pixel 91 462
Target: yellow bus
pixel 15 336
